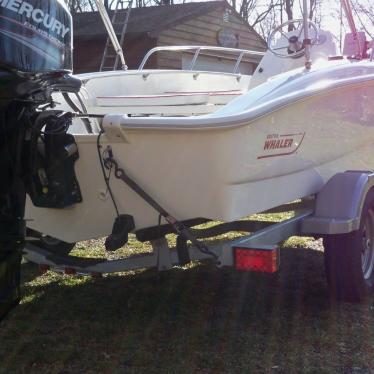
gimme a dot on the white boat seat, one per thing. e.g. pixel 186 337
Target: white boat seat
pixel 168 103
pixel 169 98
pixel 165 99
pixel 215 97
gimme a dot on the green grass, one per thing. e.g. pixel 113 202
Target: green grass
pixel 197 319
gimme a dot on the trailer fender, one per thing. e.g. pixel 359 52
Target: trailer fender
pixel 339 204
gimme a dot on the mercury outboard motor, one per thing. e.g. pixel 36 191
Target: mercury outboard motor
pixel 35 151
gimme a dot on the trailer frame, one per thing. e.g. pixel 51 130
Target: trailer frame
pixel 335 212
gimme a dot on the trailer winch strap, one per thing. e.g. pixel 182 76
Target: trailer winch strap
pixel 179 227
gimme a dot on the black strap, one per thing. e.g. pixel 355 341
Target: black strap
pixel 178 226
pixel 72 105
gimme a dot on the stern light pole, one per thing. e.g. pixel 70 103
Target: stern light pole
pixel 307 40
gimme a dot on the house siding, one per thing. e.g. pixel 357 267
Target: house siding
pixel 88 53
pixel 192 30
pixel 203 30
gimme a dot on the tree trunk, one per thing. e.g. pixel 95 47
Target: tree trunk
pixel 288 7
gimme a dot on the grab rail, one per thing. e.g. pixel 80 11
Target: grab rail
pixel 241 52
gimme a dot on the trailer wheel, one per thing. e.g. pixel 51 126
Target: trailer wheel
pixel 349 258
pixel 54 245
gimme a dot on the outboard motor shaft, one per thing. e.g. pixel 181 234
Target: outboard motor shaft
pixel 35 60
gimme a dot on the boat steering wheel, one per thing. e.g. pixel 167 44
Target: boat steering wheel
pixel 295 47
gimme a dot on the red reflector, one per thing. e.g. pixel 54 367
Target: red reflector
pixel 43 268
pixel 256 260
pixel 69 271
pixel 96 275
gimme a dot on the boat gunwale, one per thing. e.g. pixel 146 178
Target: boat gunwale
pixel 211 122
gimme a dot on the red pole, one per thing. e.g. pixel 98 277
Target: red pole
pixel 348 12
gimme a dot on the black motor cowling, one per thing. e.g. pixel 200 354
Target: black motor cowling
pixel 35 36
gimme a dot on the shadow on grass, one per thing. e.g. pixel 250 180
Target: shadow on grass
pixel 197 320
pixel 29 271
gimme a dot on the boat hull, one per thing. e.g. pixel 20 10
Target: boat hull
pixel 221 173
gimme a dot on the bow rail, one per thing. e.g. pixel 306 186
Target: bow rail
pixel 241 53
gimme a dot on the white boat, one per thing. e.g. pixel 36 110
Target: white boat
pixel 294 125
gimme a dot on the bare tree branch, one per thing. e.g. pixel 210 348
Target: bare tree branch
pixel 263 15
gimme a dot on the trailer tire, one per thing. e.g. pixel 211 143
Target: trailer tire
pixel 349 258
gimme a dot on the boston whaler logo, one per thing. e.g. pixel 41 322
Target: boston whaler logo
pixel 281 144
pixel 35 15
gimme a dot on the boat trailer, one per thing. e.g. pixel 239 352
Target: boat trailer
pixel 338 214
pixel 257 252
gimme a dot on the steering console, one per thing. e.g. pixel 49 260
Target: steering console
pixel 295 46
